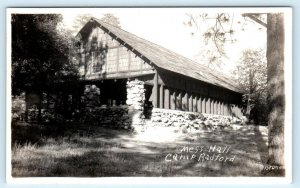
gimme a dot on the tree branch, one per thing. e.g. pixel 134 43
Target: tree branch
pixel 251 16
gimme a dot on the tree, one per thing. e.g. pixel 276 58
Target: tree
pixel 217 32
pixel 210 57
pixel 111 19
pixel 251 74
pixel 275 80
pixel 276 99
pixel 41 55
pixel 79 22
pixel 275 77
pixel 82 19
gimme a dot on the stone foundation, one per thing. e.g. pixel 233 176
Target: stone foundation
pixel 112 117
pixel 190 120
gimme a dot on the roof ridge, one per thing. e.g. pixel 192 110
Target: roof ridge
pixel 143 39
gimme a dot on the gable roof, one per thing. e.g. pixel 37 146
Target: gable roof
pixel 164 58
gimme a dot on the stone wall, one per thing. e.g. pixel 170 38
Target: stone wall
pixel 190 120
pixel 135 102
pixel 113 117
pixel 129 116
pixel 135 94
pixel 102 115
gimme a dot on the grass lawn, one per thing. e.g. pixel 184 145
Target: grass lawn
pixel 87 151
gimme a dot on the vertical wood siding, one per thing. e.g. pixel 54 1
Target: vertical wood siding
pixel 118 58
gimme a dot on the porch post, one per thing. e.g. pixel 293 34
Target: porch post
pixel 155 90
pixel 161 96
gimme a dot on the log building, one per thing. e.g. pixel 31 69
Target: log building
pixel 113 60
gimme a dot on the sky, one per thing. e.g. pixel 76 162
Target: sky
pixel 165 27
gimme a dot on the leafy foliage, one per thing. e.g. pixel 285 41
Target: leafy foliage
pixel 218 31
pixel 111 19
pixel 82 19
pixel 218 28
pixel 251 74
pixel 41 54
pixel 210 57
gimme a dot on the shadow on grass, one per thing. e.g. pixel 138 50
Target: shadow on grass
pixel 262 146
pixel 248 145
pixel 85 151
pixel 38 134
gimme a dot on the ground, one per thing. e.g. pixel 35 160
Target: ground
pixel 88 151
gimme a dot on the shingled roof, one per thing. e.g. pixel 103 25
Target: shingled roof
pixel 166 59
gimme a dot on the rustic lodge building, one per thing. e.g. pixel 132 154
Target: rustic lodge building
pixel 119 68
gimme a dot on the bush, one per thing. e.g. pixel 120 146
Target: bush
pixel 18 107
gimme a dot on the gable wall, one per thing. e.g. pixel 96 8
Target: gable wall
pixel 97 63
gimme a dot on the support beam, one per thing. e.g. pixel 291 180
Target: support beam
pixel 190 102
pixel 173 100
pixel 203 105
pixel 226 109
pixel 212 110
pixel 155 89
pixel 219 108
pixel 185 101
pixel 216 107
pixel 199 107
pixel 232 109
pixel 207 107
pixel 194 102
pixel 161 96
pixel 239 111
pixel 212 106
pixel 166 98
pixel 178 100
pixel 235 110
pixel 222 108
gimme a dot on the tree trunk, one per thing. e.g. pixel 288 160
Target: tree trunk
pixel 276 101
pixel 251 91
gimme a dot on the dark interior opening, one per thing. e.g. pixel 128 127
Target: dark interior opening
pixel 113 92
pixel 148 106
